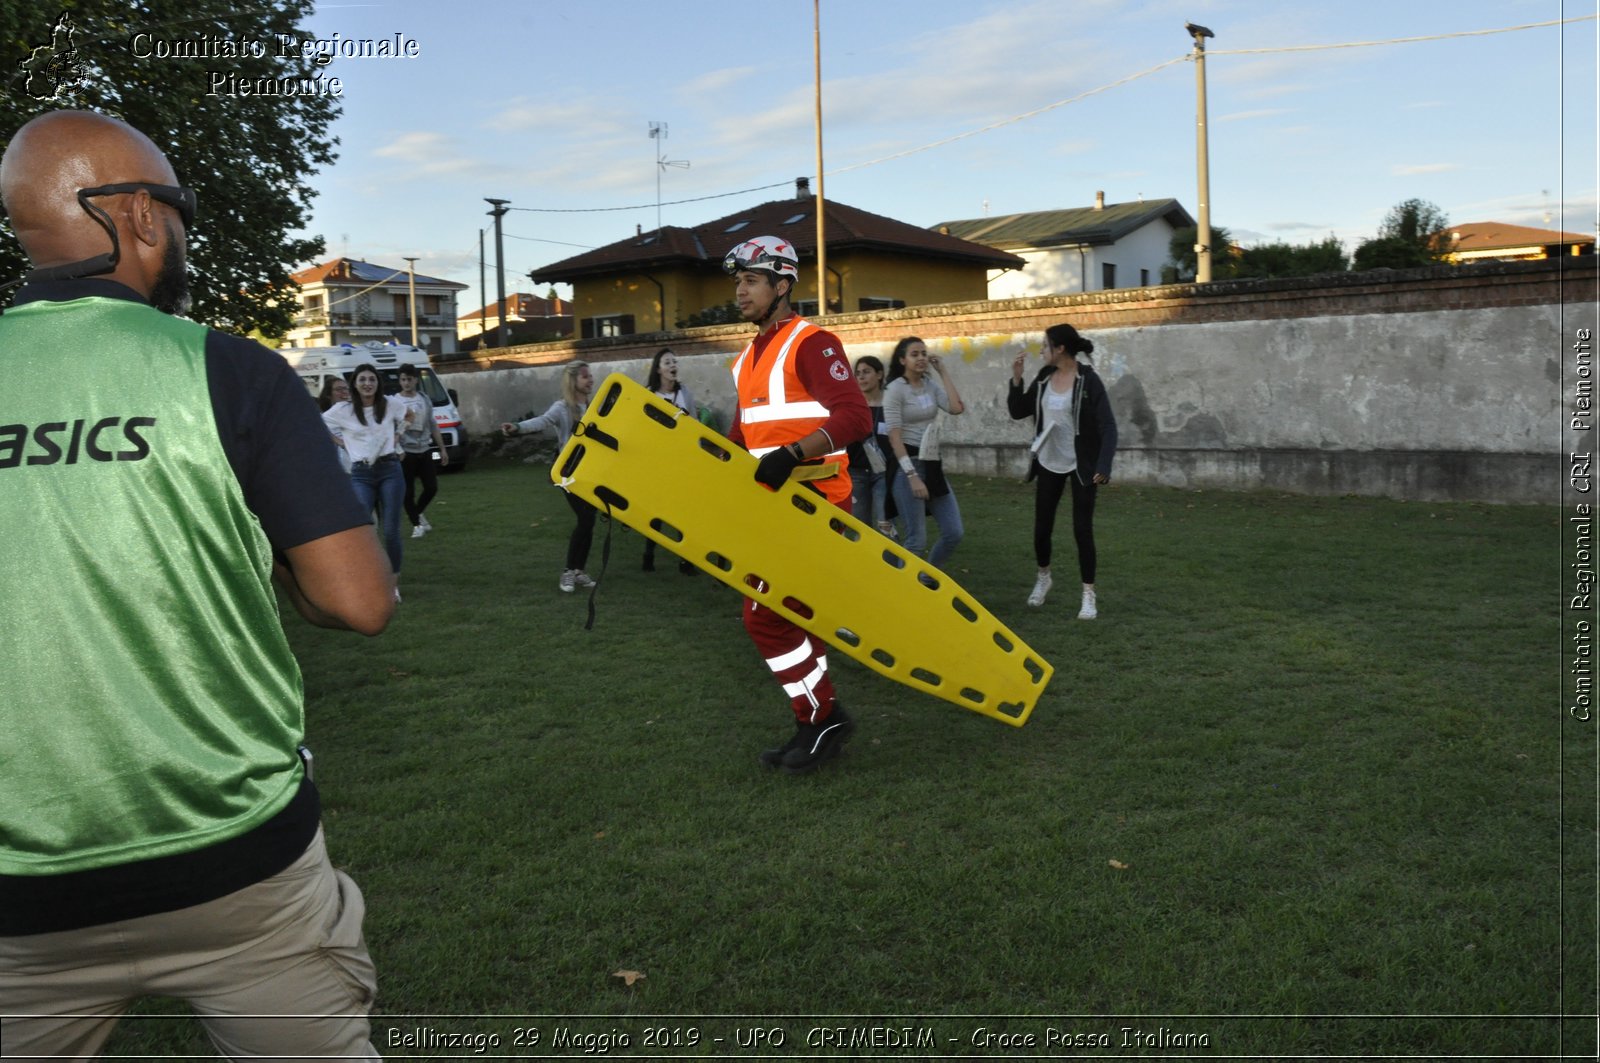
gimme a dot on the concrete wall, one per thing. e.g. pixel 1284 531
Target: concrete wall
pixel 1438 384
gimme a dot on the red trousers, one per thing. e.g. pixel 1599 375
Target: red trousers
pixel 797 659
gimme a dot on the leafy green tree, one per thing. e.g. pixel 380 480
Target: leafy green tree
pixel 1181 248
pixel 248 156
pixel 1281 259
pixel 1412 233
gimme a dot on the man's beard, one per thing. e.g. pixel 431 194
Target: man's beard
pixel 170 295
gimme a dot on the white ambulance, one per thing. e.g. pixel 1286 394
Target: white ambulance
pixel 317 364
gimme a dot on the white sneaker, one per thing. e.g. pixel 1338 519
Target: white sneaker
pixel 1041 587
pixel 569 581
pixel 582 578
pixel 1088 610
pixel 418 532
pixel 397 596
pixel 422 522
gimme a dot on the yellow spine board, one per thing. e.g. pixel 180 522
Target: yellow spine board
pixel 692 490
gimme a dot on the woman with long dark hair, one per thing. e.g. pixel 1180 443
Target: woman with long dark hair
pixel 1074 440
pixel 336 389
pixel 664 383
pixel 919 387
pixel 367 427
pixel 870 471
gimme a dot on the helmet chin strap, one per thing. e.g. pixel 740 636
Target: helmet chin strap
pixel 766 318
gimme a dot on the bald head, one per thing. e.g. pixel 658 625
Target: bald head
pixel 56 154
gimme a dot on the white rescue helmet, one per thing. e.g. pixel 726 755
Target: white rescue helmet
pixel 769 253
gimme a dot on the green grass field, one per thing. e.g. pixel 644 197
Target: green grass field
pixel 1299 789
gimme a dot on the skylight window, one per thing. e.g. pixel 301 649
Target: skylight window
pixel 736 226
pixel 796 218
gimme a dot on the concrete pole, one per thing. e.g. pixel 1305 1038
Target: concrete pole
pixel 499 211
pixel 411 288
pixel 1202 244
pixel 822 235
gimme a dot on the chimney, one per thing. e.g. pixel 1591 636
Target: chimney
pixel 1099 201
pixel 802 188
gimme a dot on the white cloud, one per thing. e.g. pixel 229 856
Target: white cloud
pixel 416 147
pixel 427 154
pixel 1264 112
pixel 1417 169
pixel 948 81
pixel 586 118
pixel 715 82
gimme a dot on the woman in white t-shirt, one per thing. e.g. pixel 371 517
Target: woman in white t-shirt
pixel 913 397
pixel 368 427
pixel 1074 440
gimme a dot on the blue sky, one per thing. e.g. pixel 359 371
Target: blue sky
pixel 549 106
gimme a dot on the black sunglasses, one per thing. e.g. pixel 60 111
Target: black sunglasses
pixel 181 200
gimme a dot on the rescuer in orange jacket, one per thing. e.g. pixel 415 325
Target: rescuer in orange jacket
pixel 798 402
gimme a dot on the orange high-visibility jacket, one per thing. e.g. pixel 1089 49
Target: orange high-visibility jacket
pixel 775 408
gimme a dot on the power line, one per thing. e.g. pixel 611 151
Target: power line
pixel 1186 57
pixel 647 206
pixel 538 240
pixel 1403 40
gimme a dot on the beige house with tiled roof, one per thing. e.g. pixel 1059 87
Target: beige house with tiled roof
pixel 1081 249
pixel 654 281
pixel 529 319
pixel 1477 241
pixel 350 301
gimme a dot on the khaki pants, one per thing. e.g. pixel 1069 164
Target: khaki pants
pixel 275 970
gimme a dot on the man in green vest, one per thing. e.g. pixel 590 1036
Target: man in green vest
pixel 159 830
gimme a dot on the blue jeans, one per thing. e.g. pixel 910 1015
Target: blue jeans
pixel 944 510
pixel 868 490
pixel 383 484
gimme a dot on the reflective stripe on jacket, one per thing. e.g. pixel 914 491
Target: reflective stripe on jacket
pixel 774 406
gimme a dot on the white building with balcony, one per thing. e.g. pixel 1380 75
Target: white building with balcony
pixel 350 301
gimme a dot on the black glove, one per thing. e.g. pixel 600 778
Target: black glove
pixel 776 465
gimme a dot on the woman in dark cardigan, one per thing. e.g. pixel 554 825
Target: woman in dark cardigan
pixel 1074 440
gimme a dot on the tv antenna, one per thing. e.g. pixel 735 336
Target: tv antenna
pixel 658 133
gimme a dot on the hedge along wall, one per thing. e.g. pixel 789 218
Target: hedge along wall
pixel 1446 383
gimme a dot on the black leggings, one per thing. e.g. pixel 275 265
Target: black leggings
pixel 583 534
pixel 419 467
pixel 1046 500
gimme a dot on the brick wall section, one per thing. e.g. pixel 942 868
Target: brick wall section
pixel 1478 286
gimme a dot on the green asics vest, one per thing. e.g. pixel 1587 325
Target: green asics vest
pixel 149 702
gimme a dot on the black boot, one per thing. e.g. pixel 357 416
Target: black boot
pixel 816 743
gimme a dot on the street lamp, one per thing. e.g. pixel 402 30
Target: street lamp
pixel 411 287
pixel 1202 242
